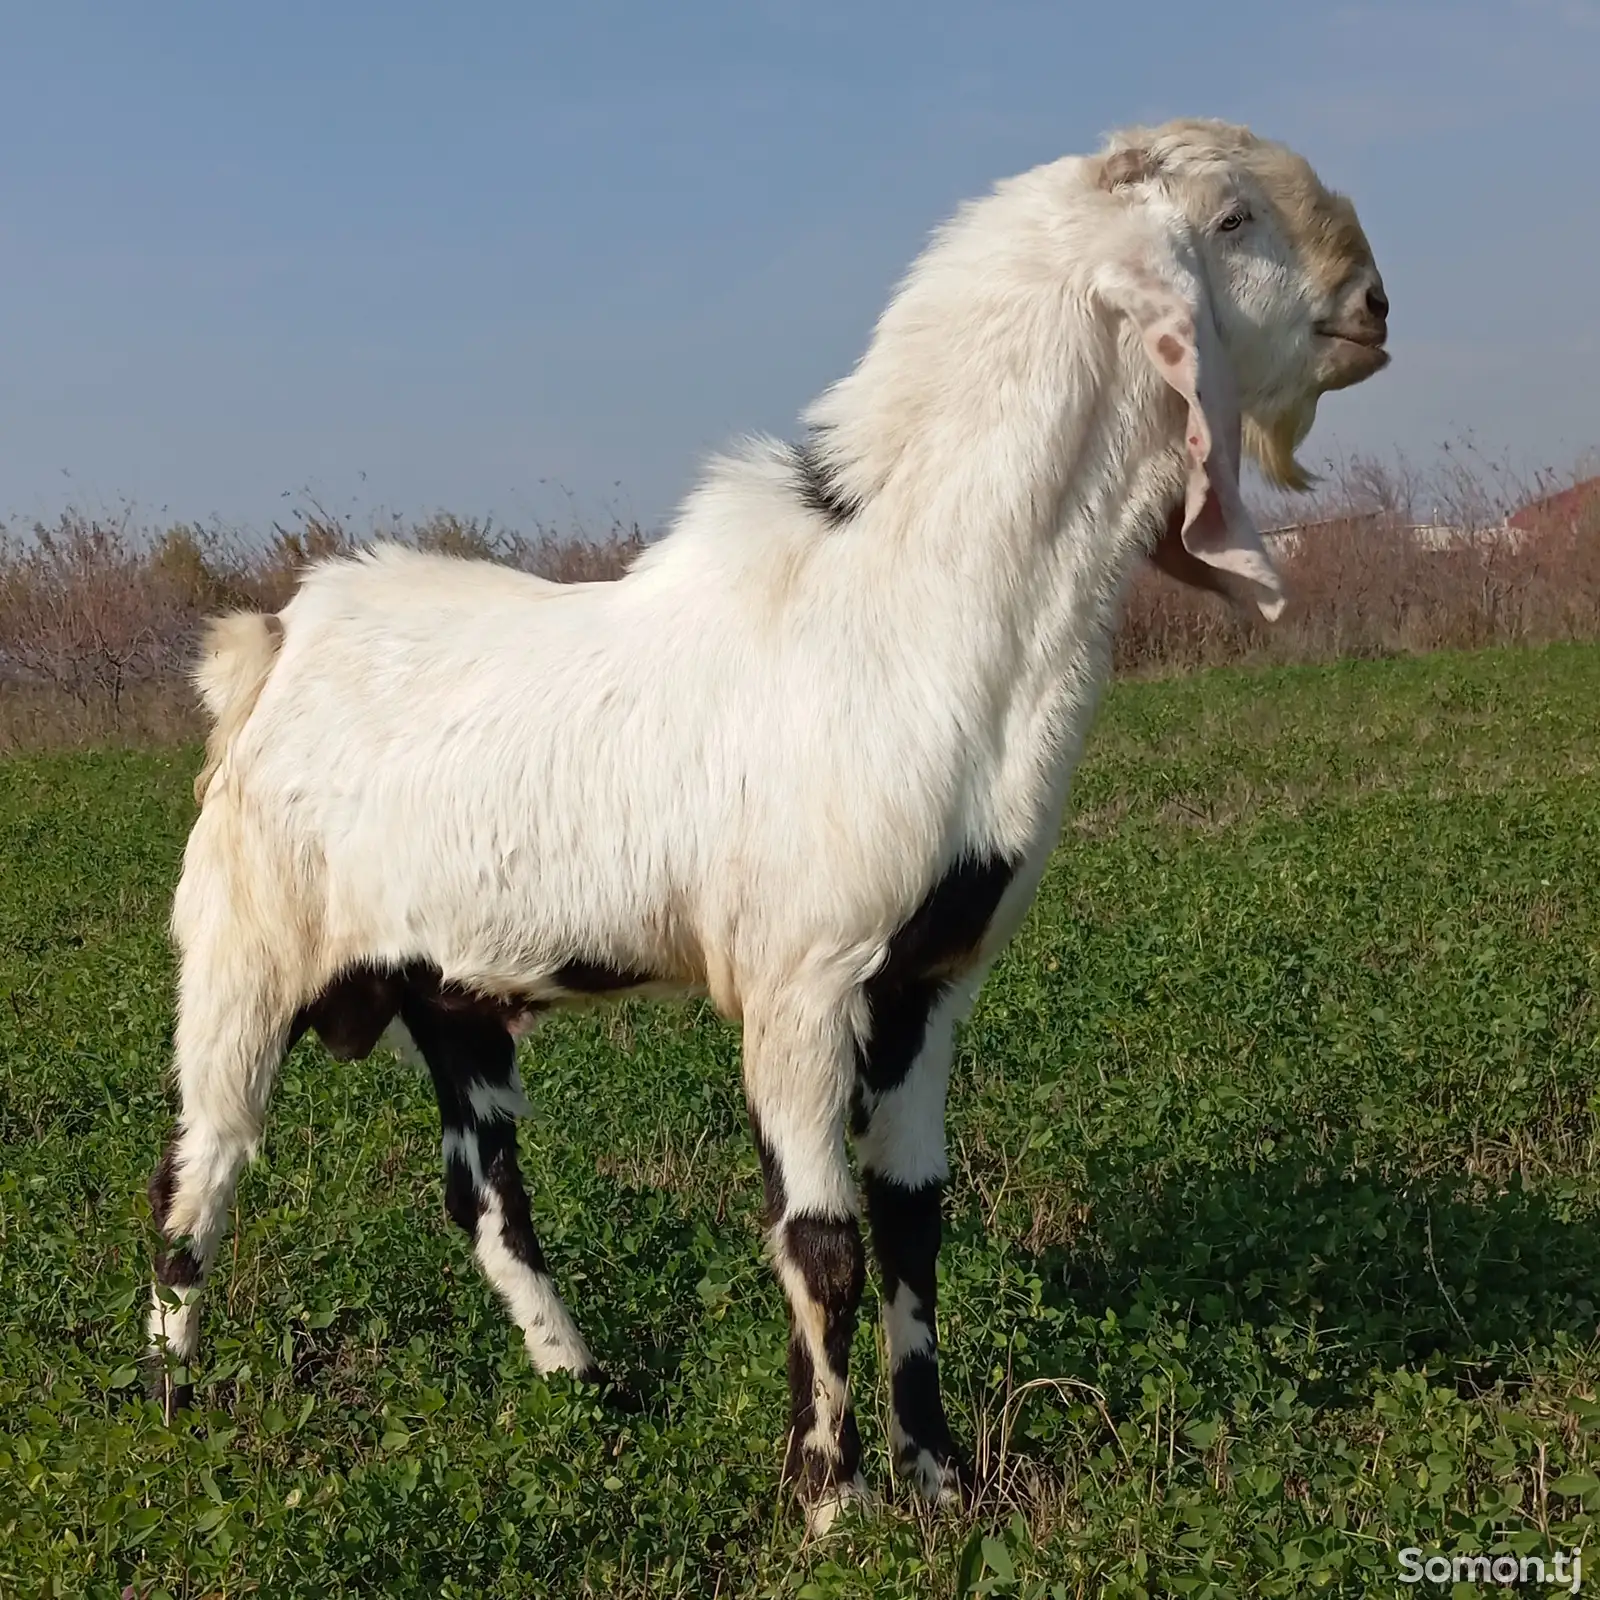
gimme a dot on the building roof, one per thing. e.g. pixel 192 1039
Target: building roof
pixel 1582 500
pixel 1578 504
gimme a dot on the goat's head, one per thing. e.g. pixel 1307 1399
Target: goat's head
pixel 1254 292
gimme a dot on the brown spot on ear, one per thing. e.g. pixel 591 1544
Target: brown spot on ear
pixel 1171 350
pixel 1126 166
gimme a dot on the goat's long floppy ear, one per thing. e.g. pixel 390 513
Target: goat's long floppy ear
pixel 1211 541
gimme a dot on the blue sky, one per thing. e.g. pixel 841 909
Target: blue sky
pixel 537 260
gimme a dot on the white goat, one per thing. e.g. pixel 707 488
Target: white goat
pixel 808 756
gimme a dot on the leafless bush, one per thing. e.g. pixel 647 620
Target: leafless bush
pixel 97 617
pixel 1387 561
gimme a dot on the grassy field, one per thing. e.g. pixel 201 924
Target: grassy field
pixel 1275 1239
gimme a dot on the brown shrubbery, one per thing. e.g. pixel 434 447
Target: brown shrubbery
pixel 97 618
pixel 1367 588
pixel 1389 563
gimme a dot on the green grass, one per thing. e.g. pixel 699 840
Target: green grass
pixel 1275 1239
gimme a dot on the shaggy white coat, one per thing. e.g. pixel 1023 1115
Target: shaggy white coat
pixel 741 767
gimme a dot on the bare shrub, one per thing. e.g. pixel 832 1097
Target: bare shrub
pixel 89 622
pixel 98 617
pixel 1386 561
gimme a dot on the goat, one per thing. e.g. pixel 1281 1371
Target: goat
pixel 808 756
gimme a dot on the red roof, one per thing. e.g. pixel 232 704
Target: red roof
pixel 1581 501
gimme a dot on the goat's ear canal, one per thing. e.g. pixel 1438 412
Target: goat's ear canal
pixel 1213 542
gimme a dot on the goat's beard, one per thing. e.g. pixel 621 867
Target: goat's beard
pixel 1271 443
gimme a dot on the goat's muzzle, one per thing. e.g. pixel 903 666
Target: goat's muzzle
pixel 1352 348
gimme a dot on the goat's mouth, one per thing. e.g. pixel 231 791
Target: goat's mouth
pixel 1352 353
pixel 1371 335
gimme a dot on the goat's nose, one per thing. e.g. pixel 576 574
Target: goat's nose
pixel 1377 302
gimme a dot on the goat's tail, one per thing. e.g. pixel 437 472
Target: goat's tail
pixel 236 657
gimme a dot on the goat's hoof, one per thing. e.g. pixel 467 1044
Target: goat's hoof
pixel 826 1505
pixel 940 1479
pixel 825 1493
pixel 163 1387
pixel 616 1394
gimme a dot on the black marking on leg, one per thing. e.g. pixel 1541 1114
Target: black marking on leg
pixel 808 1470
pixel 899 1025
pixel 178 1269
pixel 503 1178
pixel 775 1199
pixel 827 1251
pixel 907 1225
pixel 950 922
pixel 860 1106
pixel 906 1222
pixel 802 1405
pixel 927 950
pixel 919 1409
pixel 174 1269
pixel 847 1465
pixel 163 1184
pixel 461 1200
pixel 466 1047
pixel 817 483
pixel 461 1047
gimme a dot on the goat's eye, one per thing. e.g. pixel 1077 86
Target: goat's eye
pixel 1234 219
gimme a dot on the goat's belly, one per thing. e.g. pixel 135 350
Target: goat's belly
pixel 353 1011
pixel 532 928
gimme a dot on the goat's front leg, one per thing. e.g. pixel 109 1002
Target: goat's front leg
pixel 797 1082
pixel 903 1073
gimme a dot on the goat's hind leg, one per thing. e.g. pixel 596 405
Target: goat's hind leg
pixel 471 1058
pixel 230 1038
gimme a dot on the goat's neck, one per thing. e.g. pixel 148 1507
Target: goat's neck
pixel 1037 631
pixel 1014 541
